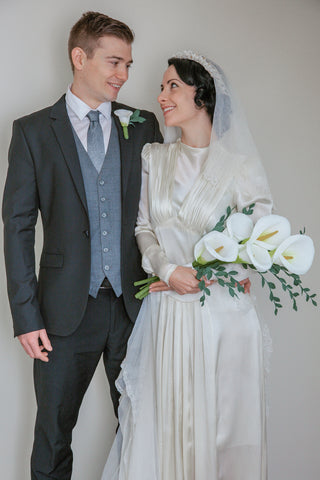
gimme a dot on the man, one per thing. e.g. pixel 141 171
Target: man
pixel 72 162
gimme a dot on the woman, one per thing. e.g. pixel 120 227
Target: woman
pixel 192 383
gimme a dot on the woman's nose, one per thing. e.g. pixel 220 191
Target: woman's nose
pixel 161 97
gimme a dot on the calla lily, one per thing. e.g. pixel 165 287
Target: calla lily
pixel 270 231
pixel 295 253
pixel 124 117
pixel 243 256
pixel 239 226
pixel 216 246
pixel 259 257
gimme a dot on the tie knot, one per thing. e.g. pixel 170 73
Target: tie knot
pixel 93 115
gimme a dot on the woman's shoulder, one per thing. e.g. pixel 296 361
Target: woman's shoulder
pixel 155 148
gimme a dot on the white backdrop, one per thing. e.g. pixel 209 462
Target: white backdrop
pixel 270 50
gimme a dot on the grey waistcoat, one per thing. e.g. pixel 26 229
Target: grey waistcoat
pixel 103 192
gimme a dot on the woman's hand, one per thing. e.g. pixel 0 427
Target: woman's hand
pixel 159 286
pixel 246 285
pixel 183 280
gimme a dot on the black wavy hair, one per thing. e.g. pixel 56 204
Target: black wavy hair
pixel 194 74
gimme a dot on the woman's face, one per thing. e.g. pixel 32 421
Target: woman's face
pixel 177 100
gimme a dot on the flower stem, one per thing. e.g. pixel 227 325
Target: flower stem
pixel 125 131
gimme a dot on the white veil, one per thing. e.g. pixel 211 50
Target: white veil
pixel 232 151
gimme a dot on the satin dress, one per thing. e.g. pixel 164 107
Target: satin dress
pixel 192 384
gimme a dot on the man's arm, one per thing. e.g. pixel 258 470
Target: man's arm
pixel 20 212
pixel 157 134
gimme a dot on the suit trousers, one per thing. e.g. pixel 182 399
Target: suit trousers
pixel 61 383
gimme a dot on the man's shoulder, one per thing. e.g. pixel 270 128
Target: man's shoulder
pixel 42 115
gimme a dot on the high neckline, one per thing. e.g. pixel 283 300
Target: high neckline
pixel 192 149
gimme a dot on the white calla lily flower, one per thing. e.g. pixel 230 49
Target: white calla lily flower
pixel 239 226
pixel 243 256
pixel 124 116
pixel 216 246
pixel 295 254
pixel 270 231
pixel 259 257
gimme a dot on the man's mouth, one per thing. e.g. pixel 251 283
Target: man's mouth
pixel 117 86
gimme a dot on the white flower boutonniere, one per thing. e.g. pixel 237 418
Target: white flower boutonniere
pixel 127 117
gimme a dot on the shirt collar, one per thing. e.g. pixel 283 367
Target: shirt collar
pixel 80 108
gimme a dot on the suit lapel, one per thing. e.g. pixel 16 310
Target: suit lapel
pixel 63 131
pixel 126 151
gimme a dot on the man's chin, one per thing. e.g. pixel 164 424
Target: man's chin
pixel 112 96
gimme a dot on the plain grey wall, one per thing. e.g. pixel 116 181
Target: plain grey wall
pixel 270 51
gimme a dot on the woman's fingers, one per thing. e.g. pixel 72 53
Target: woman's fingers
pixel 159 287
pixel 246 285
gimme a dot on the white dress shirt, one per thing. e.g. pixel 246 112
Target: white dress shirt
pixel 78 110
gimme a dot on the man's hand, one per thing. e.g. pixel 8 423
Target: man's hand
pixel 30 343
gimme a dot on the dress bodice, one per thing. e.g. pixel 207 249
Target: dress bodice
pixel 184 193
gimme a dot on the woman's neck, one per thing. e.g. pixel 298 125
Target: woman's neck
pixel 197 134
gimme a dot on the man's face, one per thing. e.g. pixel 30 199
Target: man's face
pixel 99 78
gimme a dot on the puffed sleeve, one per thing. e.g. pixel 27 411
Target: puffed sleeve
pixel 154 259
pixel 251 186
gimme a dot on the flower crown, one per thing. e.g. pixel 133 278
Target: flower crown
pixel 208 65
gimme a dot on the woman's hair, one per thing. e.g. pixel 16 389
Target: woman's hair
pixel 91 27
pixel 192 73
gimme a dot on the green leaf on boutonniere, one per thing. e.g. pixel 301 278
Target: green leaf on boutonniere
pixel 135 118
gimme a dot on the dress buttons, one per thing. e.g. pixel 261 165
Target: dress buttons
pixel 103 199
pixel 106 249
pixel 106 267
pixel 103 215
pixel 104 233
pixel 101 182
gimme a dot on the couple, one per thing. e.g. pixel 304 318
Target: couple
pixel 192 382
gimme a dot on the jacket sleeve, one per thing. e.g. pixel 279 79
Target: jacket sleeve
pixel 157 134
pixel 20 212
pixel 154 259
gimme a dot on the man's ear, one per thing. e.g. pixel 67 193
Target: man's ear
pixel 78 58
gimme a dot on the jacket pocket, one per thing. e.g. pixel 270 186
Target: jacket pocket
pixel 51 260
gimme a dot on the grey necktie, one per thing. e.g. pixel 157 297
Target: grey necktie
pixel 95 142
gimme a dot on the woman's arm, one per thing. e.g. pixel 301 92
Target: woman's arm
pixel 154 259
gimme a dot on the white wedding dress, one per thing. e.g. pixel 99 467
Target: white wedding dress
pixel 192 383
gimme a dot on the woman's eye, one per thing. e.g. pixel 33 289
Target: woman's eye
pixel 173 85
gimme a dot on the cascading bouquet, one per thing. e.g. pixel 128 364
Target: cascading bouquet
pixel 266 247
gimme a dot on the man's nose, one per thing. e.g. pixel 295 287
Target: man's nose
pixel 123 73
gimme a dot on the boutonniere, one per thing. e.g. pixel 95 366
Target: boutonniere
pixel 127 117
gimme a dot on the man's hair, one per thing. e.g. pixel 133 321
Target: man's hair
pixel 91 27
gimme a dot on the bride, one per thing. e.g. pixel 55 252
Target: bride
pixel 192 385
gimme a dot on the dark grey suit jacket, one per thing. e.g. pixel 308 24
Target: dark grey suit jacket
pixel 44 175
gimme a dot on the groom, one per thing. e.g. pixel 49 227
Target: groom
pixel 72 162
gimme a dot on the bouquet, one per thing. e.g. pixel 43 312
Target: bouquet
pixel 266 247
